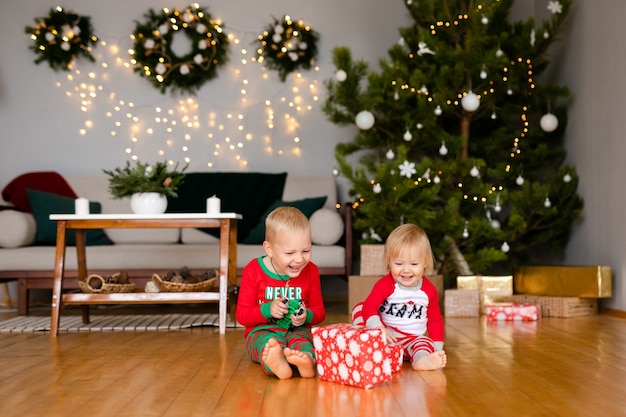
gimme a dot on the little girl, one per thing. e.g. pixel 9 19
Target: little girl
pixel 404 303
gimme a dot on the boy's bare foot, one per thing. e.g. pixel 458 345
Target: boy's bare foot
pixel 273 357
pixel 301 360
pixel 430 362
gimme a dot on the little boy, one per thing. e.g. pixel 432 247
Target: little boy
pixel 280 297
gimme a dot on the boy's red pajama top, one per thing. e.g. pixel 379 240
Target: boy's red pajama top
pixel 258 289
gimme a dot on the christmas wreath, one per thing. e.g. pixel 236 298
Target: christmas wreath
pixel 154 58
pixel 287 45
pixel 61 37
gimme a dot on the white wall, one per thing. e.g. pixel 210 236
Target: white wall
pixel 593 65
pixel 40 125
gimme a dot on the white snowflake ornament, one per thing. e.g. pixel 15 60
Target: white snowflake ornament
pixel 407 169
pixel 555 7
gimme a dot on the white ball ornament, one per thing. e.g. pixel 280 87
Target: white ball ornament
pixel 549 122
pixel 49 36
pixel 470 102
pixel 65 46
pixel 377 188
pixel 474 172
pixel 443 150
pixel 505 247
pixel 547 203
pixel 341 75
pixel 436 180
pixel 364 120
pixel 519 180
pixel 419 125
pixel 567 178
pixel 438 111
pixel 407 136
pixel 390 154
pixel 484 20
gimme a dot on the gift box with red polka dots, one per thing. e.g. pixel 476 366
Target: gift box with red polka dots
pixel 513 312
pixel 354 355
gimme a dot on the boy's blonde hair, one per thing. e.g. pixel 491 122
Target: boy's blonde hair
pixel 412 238
pixel 285 220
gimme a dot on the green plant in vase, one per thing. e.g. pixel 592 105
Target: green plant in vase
pixel 143 181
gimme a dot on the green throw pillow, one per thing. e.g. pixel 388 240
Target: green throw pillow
pixel 307 206
pixel 44 204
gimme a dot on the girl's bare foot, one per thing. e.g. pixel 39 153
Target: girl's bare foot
pixel 273 357
pixel 301 360
pixel 430 362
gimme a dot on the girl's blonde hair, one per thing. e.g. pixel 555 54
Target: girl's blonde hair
pixel 409 237
pixel 285 220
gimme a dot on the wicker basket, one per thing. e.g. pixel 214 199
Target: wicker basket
pixel 105 288
pixel 168 286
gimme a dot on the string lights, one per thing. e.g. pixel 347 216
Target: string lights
pixel 190 126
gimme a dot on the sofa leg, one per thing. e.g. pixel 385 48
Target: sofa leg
pixel 22 298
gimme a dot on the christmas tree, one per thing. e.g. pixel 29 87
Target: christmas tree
pixel 458 135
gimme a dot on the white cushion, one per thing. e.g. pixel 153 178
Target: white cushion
pixel 18 229
pixel 326 227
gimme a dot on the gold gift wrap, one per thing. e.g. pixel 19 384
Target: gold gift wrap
pixel 564 281
pixel 485 283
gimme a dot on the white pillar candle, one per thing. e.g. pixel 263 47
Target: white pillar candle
pixel 213 205
pixel 81 206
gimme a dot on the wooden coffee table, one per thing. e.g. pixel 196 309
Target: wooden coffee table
pixel 226 222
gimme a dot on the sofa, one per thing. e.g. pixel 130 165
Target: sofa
pixel 27 240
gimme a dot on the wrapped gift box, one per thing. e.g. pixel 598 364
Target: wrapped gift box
pixel 502 284
pixel 372 262
pixel 462 303
pixel 560 306
pixel 354 355
pixel 493 289
pixel 564 281
pixel 513 312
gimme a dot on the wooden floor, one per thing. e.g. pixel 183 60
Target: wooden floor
pixel 554 367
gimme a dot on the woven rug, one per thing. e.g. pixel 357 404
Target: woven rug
pixel 106 323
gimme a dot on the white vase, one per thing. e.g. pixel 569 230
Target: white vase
pixel 148 203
